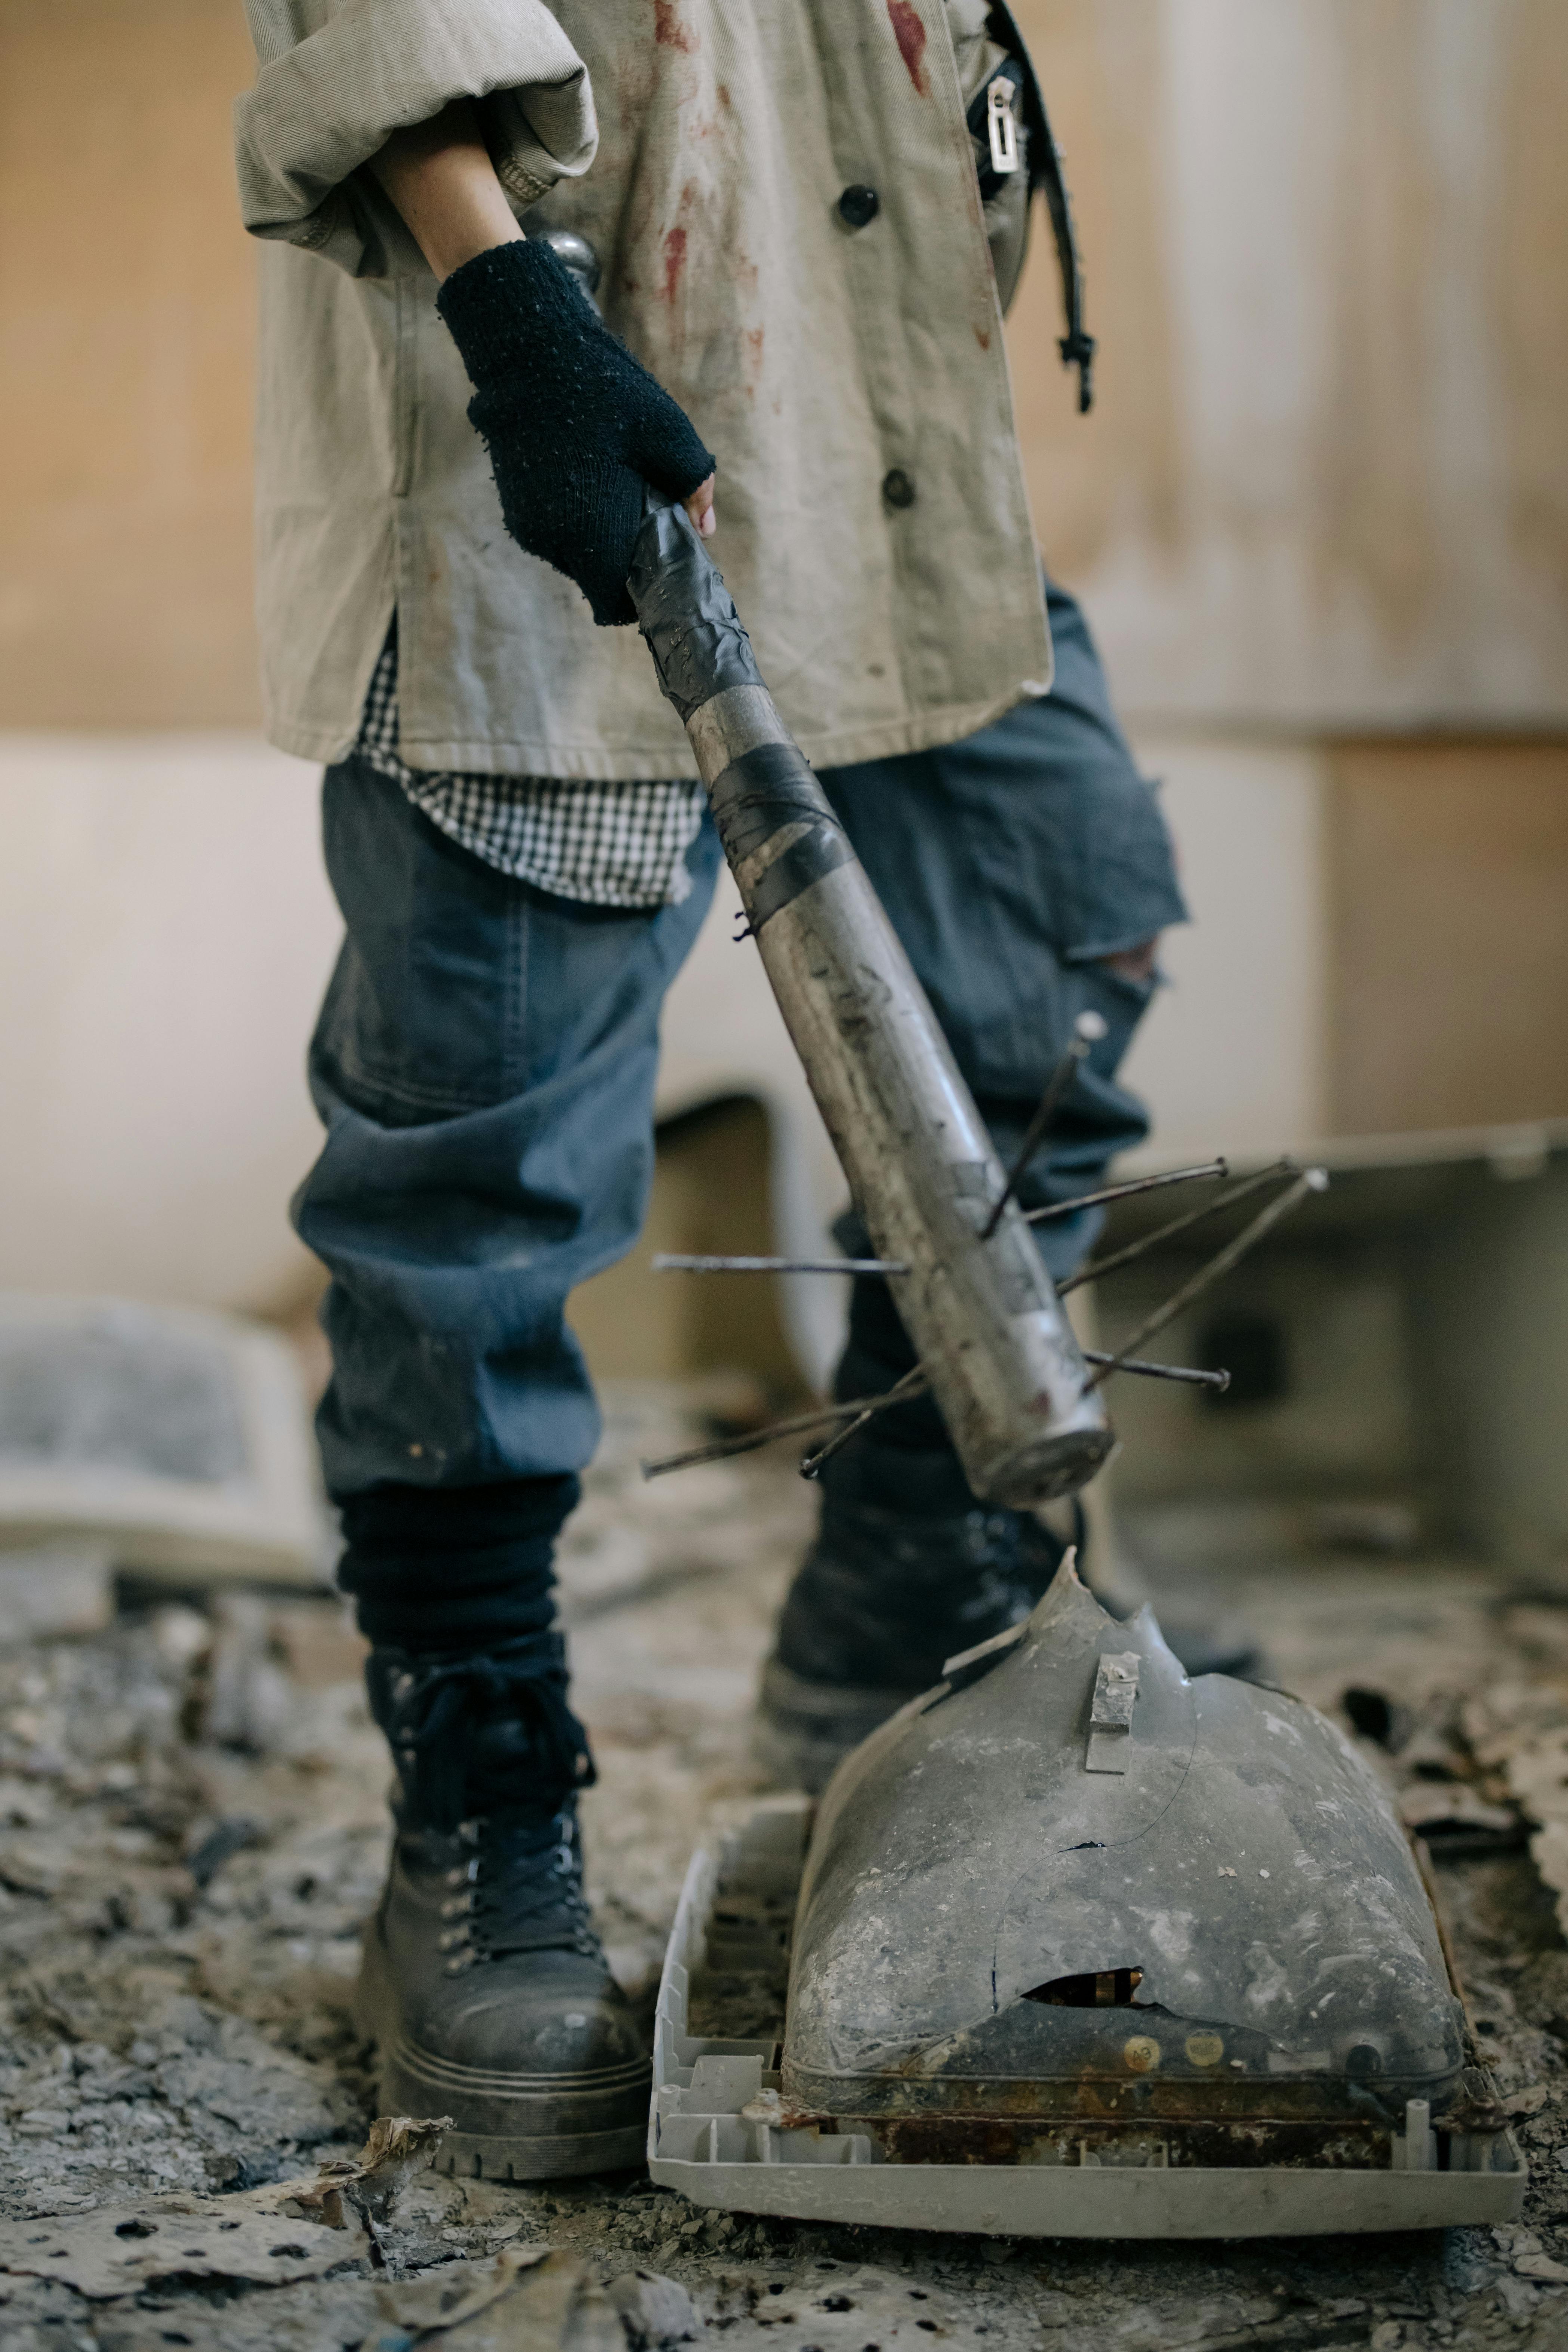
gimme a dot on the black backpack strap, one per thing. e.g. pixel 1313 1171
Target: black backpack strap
pixel 1077 346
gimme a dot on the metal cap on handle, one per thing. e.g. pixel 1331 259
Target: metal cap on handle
pixel 976 1299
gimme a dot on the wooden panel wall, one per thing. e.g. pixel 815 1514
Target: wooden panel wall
pixel 1448 911
pixel 126 307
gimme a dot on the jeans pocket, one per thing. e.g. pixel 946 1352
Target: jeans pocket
pixel 425 1016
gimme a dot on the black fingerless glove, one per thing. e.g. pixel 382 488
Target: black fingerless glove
pixel 574 423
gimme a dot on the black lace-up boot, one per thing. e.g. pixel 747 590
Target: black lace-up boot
pixel 483 1983
pixel 906 1570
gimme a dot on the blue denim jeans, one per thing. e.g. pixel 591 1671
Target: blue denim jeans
pixel 485 1059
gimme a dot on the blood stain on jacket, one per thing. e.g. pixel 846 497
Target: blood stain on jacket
pixel 670 29
pixel 910 36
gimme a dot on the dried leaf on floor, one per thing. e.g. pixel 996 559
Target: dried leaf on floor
pixel 120 2249
pixel 528 2300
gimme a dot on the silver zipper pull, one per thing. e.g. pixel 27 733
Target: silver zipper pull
pixel 999 123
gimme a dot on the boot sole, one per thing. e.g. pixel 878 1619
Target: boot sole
pixel 542 2146
pixel 801 1731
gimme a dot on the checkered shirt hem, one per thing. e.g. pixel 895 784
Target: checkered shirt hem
pixel 608 845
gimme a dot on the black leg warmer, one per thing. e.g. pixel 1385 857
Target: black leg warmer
pixel 467 1673
pixel 454 1568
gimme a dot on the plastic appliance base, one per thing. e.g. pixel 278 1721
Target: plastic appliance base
pixel 719 2132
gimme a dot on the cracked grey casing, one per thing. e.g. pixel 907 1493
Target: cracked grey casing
pixel 1208 1877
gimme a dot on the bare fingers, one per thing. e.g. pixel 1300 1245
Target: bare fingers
pixel 700 507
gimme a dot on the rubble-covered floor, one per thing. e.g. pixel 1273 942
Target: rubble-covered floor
pixel 192 1828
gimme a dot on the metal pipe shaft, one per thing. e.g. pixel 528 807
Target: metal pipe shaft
pixel 982 1313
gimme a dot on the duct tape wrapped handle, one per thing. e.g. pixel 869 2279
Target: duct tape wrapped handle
pixel 779 832
pixel 699 645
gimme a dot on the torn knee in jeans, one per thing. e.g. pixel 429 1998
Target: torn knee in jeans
pixel 1136 964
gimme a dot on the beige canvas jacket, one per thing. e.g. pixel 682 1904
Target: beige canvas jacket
pixel 702 147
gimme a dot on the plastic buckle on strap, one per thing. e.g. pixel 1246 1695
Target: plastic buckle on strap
pixel 1000 125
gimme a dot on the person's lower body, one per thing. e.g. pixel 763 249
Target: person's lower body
pixel 484 1065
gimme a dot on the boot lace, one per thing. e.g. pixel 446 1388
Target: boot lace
pixel 436 1707
pixel 521 1891
pixel 519 1887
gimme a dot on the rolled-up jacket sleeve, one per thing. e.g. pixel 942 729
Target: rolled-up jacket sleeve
pixel 335 78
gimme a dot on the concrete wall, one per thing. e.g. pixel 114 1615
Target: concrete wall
pixel 165 929
pixel 1233 1054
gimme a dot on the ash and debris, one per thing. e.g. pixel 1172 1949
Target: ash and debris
pixel 192 1826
